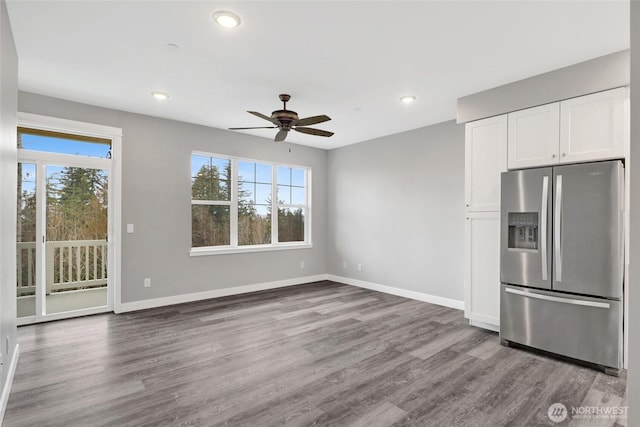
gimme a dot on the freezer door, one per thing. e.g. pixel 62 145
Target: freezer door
pixel 525 232
pixel 583 328
pixel 588 229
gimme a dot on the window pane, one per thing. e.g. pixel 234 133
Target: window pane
pixel 263 194
pixel 263 173
pixel 246 192
pixel 26 238
pixel 210 178
pixel 290 225
pixel 76 203
pixel 297 196
pixel 55 142
pixel 254 225
pixel 297 177
pixel 284 195
pixel 284 175
pixel 210 225
pixel 246 171
pixel 26 202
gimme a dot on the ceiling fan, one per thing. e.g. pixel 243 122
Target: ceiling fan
pixel 286 120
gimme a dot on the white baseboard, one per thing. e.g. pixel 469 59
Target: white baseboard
pixel 433 299
pixel 484 325
pixel 6 389
pixel 236 290
pixel 216 293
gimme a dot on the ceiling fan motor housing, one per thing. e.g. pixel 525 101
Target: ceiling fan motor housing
pixel 285 117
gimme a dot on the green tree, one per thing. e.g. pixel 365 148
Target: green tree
pixel 77 204
pixel 210 224
pixel 290 225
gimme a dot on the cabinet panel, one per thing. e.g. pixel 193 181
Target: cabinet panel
pixel 593 127
pixel 534 136
pixel 482 267
pixel 485 159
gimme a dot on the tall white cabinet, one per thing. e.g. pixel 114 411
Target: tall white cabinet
pixel 485 160
pixel 587 128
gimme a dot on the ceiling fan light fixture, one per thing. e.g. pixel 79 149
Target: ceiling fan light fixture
pixel 226 19
pixel 161 96
pixel 408 99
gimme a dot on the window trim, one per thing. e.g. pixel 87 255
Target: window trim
pixel 233 247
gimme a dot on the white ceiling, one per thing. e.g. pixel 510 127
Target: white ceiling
pixel 349 60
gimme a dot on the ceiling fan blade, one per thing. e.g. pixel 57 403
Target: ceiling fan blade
pixel 281 136
pixel 259 127
pixel 262 116
pixel 311 120
pixel 312 131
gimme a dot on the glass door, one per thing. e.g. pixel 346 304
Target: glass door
pixel 76 238
pixel 64 260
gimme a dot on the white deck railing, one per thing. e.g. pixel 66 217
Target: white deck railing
pixel 69 265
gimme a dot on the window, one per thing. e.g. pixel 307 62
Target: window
pixel 65 143
pixel 233 207
pixel 210 201
pixel 291 204
pixel 255 182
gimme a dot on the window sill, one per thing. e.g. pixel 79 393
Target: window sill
pixel 248 249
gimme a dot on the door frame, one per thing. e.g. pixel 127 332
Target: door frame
pixel 54 124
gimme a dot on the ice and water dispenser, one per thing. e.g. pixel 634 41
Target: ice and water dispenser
pixel 523 230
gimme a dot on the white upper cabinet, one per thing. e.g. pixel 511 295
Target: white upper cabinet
pixel 590 127
pixel 485 159
pixel 593 127
pixel 534 136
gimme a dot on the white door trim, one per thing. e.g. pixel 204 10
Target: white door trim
pixel 36 121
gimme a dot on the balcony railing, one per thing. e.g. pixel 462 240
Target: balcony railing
pixel 69 265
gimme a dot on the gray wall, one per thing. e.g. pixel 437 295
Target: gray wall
pixel 633 379
pixel 396 206
pixel 156 198
pixel 8 192
pixel 605 72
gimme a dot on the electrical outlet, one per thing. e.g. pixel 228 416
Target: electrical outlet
pixel 129 228
pixel 344 264
pixel 359 267
pixel 301 264
pixel 147 282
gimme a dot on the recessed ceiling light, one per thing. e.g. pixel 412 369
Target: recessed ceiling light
pixel 160 95
pixel 408 99
pixel 226 19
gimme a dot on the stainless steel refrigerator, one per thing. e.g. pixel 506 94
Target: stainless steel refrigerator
pixel 561 261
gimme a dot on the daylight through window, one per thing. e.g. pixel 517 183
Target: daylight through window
pixel 233 205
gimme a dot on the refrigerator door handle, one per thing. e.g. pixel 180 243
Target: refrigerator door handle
pixel 543 225
pixel 558 299
pixel 557 230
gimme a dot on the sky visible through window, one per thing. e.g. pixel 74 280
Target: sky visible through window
pixel 64 146
pixel 56 145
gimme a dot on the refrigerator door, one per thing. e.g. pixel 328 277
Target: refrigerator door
pixel 583 328
pixel 525 227
pixel 588 229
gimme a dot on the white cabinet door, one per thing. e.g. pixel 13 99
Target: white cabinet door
pixel 593 127
pixel 482 268
pixel 534 136
pixel 485 159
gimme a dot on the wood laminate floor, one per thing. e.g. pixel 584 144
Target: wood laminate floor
pixel 317 354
